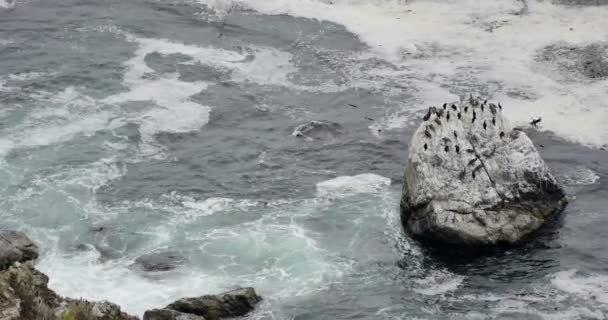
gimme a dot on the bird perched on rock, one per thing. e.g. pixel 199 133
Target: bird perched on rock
pixel 427 116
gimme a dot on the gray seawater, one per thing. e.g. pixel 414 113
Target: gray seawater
pixel 131 127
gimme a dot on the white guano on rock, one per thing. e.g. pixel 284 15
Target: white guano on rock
pixel 474 180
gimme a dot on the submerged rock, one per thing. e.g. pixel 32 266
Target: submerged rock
pixel 161 261
pixel 318 129
pixel 472 180
pixel 212 307
pixel 15 246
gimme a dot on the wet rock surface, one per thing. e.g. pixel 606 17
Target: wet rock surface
pixel 168 314
pixel 212 307
pixel 160 261
pixel 473 180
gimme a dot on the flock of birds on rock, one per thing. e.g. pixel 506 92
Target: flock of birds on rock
pixel 474 102
pixel 439 126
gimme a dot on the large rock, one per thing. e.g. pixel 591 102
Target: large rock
pixel 472 180
pixel 15 246
pixel 213 307
pixel 160 261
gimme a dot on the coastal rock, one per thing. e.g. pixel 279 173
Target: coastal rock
pixel 213 307
pixel 318 129
pixel 168 314
pixel 15 246
pixel 86 310
pixel 24 294
pixel 472 180
pixel 161 261
pixel 24 291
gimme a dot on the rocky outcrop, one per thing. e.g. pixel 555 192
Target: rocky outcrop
pixel 213 307
pixel 472 180
pixel 160 261
pixel 15 246
pixel 24 292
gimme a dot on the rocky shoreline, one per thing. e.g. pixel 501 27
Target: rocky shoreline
pixel 25 295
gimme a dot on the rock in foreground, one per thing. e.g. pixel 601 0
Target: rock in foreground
pixel 24 291
pixel 472 180
pixel 213 307
pixel 15 246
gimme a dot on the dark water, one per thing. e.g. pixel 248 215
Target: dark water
pixel 132 127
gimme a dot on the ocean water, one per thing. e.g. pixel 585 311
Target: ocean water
pixel 141 126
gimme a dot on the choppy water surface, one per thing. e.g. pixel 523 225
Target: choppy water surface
pixel 131 127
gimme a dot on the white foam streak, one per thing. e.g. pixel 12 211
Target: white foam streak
pixel 349 185
pixel 587 287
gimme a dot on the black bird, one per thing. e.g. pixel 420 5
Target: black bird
pixel 535 122
pixel 462 174
pixel 454 107
pixel 368 118
pixel 482 107
pixel 466 109
pixel 502 134
pixel 484 125
pixel 459 115
pixel 470 151
pixel 493 108
pixel 447 116
pixel 494 121
pixel 473 174
pixel 485 101
pixel 425 147
pixel 473 121
pixel 474 117
pixel 499 106
pixel 427 116
pixel 445 105
pixel 353 105
pixel 447 149
pixel 457 149
pixel 427 133
pixel 455 135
